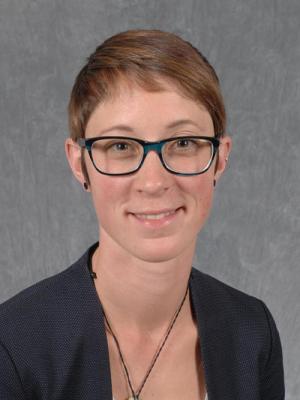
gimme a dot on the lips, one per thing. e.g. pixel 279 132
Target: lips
pixel 157 218
pixel 155 215
pixel 162 211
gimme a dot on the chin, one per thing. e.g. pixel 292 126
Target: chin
pixel 159 251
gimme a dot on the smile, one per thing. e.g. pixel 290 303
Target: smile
pixel 157 219
pixel 154 215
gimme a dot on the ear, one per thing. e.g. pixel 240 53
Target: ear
pixel 73 154
pixel 223 155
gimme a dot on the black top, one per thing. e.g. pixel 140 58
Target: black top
pixel 53 343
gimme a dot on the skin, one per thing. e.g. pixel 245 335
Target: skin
pixel 144 271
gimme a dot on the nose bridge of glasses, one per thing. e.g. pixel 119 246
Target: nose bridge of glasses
pixel 156 147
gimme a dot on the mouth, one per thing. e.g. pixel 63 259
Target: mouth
pixel 157 218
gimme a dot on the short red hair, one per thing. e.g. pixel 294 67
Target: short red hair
pixel 144 57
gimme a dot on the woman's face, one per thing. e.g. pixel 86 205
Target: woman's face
pixel 126 205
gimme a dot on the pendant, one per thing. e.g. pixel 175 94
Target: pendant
pixel 133 398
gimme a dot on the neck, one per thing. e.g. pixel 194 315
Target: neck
pixel 140 296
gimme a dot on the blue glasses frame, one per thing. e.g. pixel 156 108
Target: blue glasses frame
pixel 149 146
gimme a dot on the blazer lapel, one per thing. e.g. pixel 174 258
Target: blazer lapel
pixel 99 384
pixel 214 335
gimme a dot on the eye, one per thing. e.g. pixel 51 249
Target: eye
pixel 183 142
pixel 120 146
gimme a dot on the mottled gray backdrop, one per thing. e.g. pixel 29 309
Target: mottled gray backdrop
pixel 252 238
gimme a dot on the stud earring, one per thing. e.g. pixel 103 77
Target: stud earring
pixel 85 185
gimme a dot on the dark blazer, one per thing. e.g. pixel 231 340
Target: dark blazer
pixel 53 342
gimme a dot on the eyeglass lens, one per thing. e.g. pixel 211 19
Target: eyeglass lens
pixel 181 155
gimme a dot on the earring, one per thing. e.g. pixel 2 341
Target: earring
pixel 215 182
pixel 85 185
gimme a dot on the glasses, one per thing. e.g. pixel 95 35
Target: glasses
pixel 182 155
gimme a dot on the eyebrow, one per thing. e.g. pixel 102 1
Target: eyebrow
pixel 172 125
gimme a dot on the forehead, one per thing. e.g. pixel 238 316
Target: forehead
pixel 130 87
pixel 148 111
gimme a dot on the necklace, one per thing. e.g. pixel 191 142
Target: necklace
pixel 136 395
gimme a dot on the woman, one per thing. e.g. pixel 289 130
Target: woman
pixel 132 318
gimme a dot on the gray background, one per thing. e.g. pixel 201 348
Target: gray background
pixel 252 238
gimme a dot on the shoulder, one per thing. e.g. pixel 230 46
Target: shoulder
pixel 35 311
pixel 236 314
pixel 44 329
pixel 37 295
pixel 236 311
pixel 240 324
pixel 221 294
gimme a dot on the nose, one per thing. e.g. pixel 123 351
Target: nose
pixel 152 178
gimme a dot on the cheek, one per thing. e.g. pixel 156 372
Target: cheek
pixel 108 194
pixel 204 205
pixel 201 195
